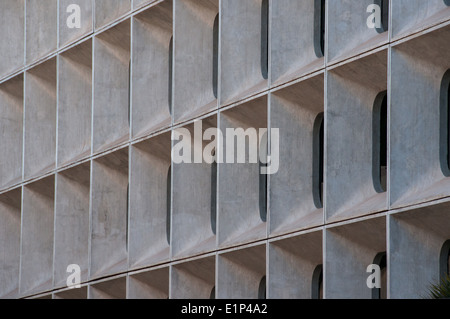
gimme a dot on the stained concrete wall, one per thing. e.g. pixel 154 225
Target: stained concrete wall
pixel 13 24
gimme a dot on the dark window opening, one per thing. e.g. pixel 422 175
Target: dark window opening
pixel 262 288
pixel 381 293
pixel 384 6
pixel 168 203
pixel 317 283
pixel 263 179
pixel 319 27
pixel 212 295
pixel 447 2
pixel 170 73
pixel 444 262
pixel 445 124
pixel 265 39
pixel 216 56
pixel 318 160
pixel 380 143
pixel 214 194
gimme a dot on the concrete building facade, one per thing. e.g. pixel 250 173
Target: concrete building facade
pixel 88 115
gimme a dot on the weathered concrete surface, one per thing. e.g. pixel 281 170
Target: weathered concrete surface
pixel 12 24
pixel 194 279
pixel 107 11
pixel 152 284
pixel 68 35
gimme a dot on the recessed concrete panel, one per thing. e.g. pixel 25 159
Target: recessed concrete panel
pixel 418 67
pixel 152 284
pixel 241 191
pixel 112 86
pixel 72 222
pixel 194 279
pixel 239 273
pixel 352 90
pixel 241 50
pixel 349 250
pixel 106 11
pixel 152 33
pixel 68 30
pixel 10 208
pixel 194 222
pixel 410 16
pixel 294 111
pixel 109 214
pixel 40 119
pixel 291 266
pixel 72 294
pixel 348 32
pixel 109 289
pixel 41 28
pixel 194 58
pixel 75 103
pixel 12 24
pixel 292 31
pixel 36 273
pixel 140 3
pixel 11 123
pixel 150 191
pixel 416 239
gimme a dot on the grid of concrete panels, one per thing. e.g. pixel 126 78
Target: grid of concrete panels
pixel 87 178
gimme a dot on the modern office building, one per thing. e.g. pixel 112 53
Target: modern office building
pixel 92 93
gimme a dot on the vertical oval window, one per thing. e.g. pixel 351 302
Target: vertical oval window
pixel 262 288
pixel 319 28
pixel 168 203
pixel 444 124
pixel 170 53
pixel 384 6
pixel 379 143
pixel 263 177
pixel 216 56
pixel 318 160
pixel 265 39
pixel 317 283
pixel 214 194
pixel 444 262
pixel 381 293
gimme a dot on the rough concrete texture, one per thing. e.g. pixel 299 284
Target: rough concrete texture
pixel 106 11
pixel 194 279
pixel 66 34
pixel 12 24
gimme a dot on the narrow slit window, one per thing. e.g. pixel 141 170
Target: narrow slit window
pixel 380 141
pixel 214 194
pixel 445 124
pixel 263 179
pixel 265 39
pixel 384 6
pixel 216 56
pixel 444 262
pixel 318 160
pixel 319 27
pixel 168 203
pixel 317 283
pixel 170 53
pixel 381 293
pixel 262 288
pixel 212 295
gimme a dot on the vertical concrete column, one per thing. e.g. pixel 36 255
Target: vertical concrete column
pixel 196 58
pixel 38 202
pixel 291 265
pixel 240 273
pixel 10 214
pixel 294 111
pixel 152 66
pixel 41 28
pixel 194 279
pixel 150 201
pixel 72 223
pixel 40 119
pixel 11 108
pixel 67 15
pixel 349 250
pixel 243 44
pixel 12 24
pixel 75 103
pixel 242 189
pixel 111 87
pixel 152 284
pixel 109 246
